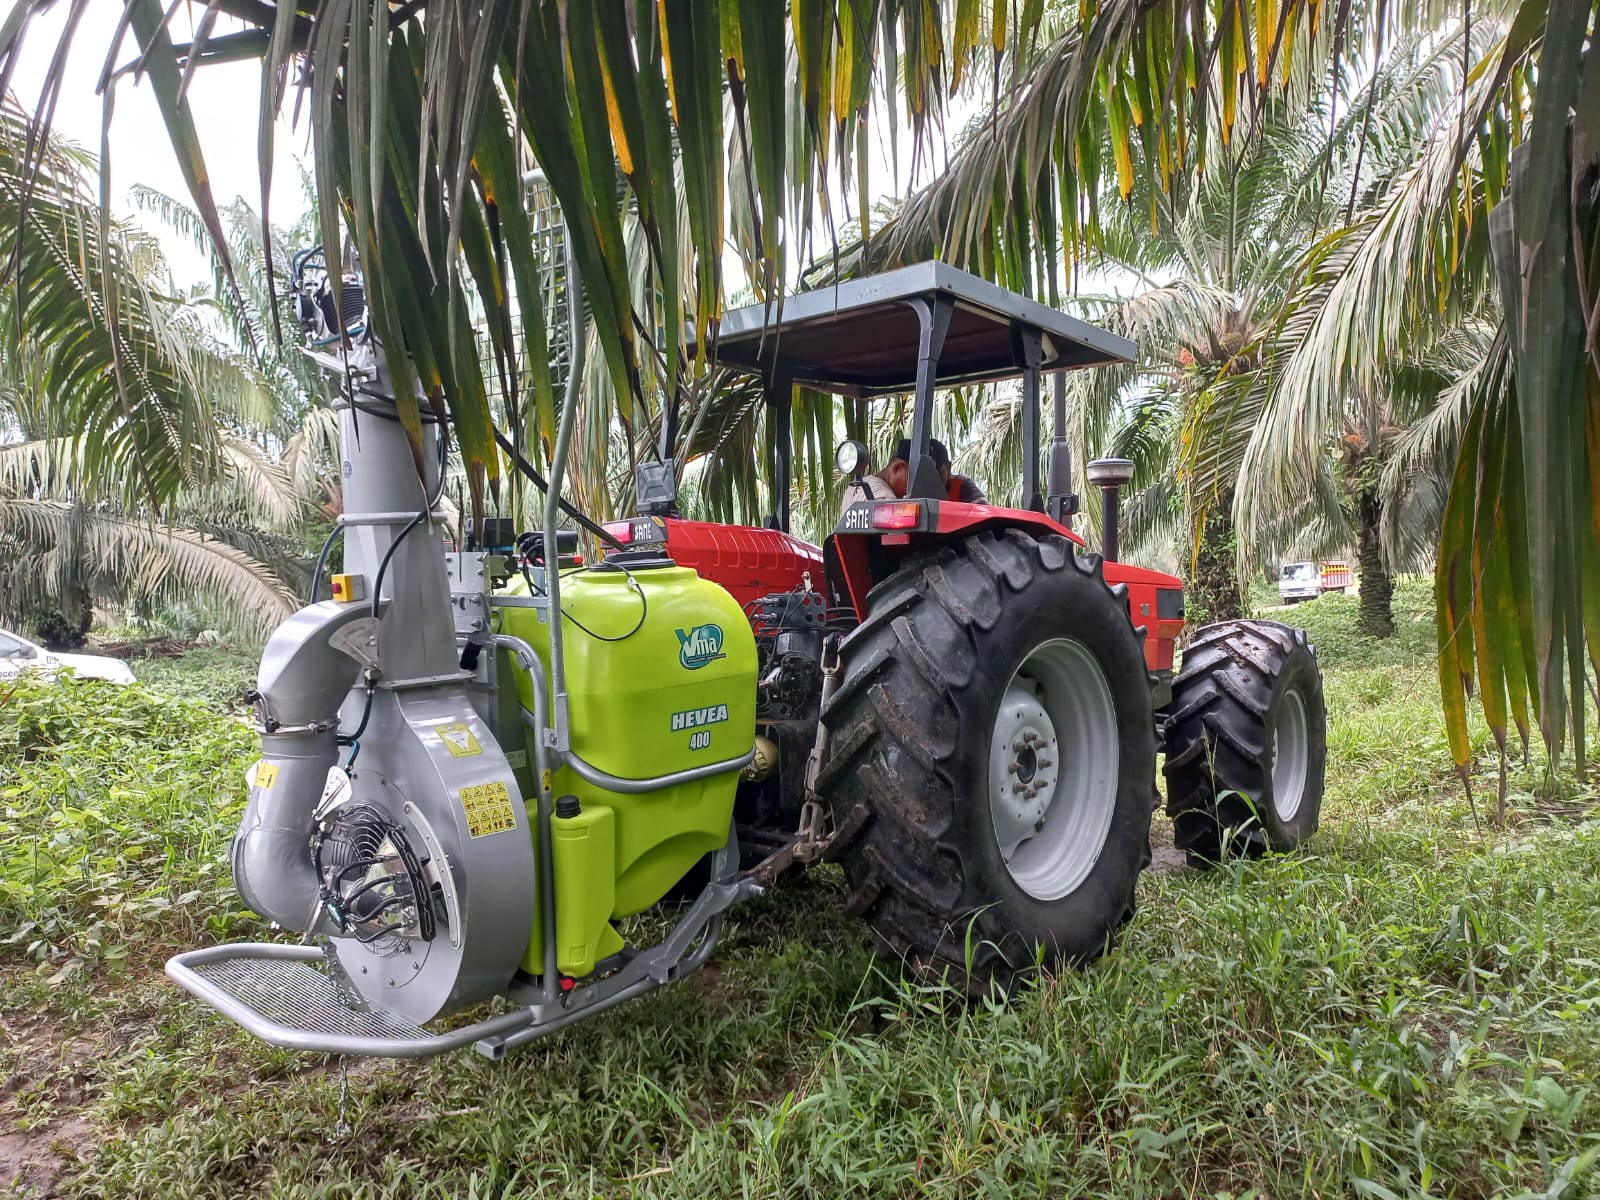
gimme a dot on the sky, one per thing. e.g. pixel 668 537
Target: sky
pixel 225 99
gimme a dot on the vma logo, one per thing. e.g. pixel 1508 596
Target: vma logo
pixel 699 646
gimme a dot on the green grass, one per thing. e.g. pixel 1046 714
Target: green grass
pixel 214 675
pixel 1407 1007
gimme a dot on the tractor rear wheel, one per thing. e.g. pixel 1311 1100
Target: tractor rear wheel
pixel 1246 742
pixel 991 760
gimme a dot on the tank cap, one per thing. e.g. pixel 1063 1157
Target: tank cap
pixel 645 559
pixel 568 806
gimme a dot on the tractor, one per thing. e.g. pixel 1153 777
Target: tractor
pixel 482 760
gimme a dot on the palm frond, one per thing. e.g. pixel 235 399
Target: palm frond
pixel 53 544
pixel 129 379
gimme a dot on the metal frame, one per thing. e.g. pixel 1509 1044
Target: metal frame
pixel 545 1010
pixel 1095 346
pixel 1041 339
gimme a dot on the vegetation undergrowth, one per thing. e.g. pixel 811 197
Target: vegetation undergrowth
pixel 119 802
pixel 217 676
pixel 1406 1008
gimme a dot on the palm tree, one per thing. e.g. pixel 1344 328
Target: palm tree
pixel 77 522
pixel 437 96
pixel 1234 235
pixel 1441 266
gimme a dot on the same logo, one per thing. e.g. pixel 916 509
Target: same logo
pixel 699 645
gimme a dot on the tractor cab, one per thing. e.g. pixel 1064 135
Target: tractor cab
pixel 910 332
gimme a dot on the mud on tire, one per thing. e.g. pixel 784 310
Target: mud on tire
pixel 1246 742
pixel 908 772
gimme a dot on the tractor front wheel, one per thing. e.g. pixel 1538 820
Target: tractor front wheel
pixel 1246 742
pixel 991 760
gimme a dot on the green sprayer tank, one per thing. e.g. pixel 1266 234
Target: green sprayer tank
pixel 661 677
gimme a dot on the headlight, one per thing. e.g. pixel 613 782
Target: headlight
pixel 851 458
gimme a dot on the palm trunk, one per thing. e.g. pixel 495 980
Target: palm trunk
pixel 1213 593
pixel 65 623
pixel 1375 617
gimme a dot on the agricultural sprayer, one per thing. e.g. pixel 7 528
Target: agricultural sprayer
pixel 481 761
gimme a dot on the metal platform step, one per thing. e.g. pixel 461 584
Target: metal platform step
pixel 283 995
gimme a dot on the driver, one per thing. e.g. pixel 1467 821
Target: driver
pixel 891 482
pixel 957 487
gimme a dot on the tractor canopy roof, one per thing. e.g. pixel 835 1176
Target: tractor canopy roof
pixel 863 337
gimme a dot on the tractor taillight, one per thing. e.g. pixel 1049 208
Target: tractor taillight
pixel 897 516
pixel 621 530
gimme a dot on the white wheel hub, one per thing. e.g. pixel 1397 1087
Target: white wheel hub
pixel 1291 753
pixel 1053 764
pixel 1023 774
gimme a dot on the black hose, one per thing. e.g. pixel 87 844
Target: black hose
pixel 540 482
pixel 422 515
pixel 322 561
pixel 383 565
pixel 366 715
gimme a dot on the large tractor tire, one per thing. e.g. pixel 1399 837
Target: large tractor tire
pixel 991 767
pixel 1246 742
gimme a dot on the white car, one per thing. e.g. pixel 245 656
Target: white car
pixel 18 654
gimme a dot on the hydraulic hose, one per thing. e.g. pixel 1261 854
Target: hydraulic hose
pixel 431 502
pixel 540 482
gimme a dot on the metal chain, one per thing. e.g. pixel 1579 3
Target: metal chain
pixel 811 837
pixel 341 1129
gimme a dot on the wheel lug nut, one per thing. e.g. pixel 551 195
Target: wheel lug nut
pixel 1045 762
pixel 1013 768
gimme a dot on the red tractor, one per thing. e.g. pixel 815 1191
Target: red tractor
pixel 957 702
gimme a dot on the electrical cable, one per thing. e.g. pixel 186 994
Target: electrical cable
pixel 422 515
pixel 322 560
pixel 644 611
pixel 387 414
pixel 540 482
pixel 383 563
pixel 338 529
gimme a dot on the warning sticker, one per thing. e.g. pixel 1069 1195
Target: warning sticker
pixel 488 807
pixel 458 739
pixel 266 775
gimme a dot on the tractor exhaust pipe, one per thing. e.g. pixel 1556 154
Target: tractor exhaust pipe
pixel 1062 503
pixel 1110 475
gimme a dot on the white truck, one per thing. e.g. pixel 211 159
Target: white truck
pixel 1299 581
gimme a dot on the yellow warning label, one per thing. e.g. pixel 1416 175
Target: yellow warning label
pixel 458 739
pixel 266 775
pixel 489 809
pixel 544 780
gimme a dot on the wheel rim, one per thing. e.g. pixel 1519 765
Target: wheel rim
pixel 1053 760
pixel 1290 752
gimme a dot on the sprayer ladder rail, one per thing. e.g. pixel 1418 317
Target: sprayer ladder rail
pixel 279 994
